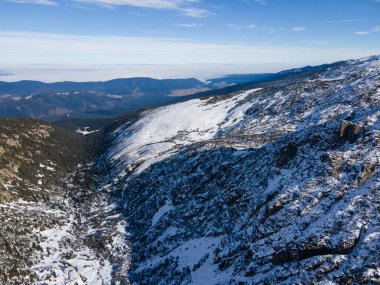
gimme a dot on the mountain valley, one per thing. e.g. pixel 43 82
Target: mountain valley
pixel 275 181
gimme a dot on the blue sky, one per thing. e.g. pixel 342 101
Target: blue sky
pixel 54 40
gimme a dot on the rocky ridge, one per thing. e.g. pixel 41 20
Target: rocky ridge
pixel 279 184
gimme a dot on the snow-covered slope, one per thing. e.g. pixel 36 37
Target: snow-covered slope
pixel 164 131
pixel 272 186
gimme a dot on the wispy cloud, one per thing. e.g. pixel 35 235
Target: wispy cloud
pixel 187 7
pixel 345 21
pixel 261 2
pixel 364 33
pixel 189 25
pixel 28 52
pixel 299 29
pixel 241 27
pixel 361 33
pixel 272 30
pixel 31 48
pixel 357 20
pixel 40 2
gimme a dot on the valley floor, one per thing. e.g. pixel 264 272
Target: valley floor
pixel 88 245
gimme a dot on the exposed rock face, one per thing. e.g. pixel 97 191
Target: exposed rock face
pixel 286 154
pixel 368 170
pixel 349 131
pixel 283 190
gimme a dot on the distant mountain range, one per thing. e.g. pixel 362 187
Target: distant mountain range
pixel 54 101
pixel 50 101
pixel 124 86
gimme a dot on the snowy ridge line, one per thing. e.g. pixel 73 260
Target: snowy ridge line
pixel 161 132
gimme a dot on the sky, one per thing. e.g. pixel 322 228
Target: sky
pixel 90 40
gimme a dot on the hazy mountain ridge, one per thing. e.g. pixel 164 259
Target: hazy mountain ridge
pixel 116 86
pixel 54 101
pixel 51 101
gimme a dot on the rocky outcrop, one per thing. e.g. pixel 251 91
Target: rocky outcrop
pixel 349 131
pixel 368 170
pixel 286 154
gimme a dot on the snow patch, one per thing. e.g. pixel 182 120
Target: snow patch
pixel 85 131
pixel 162 211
